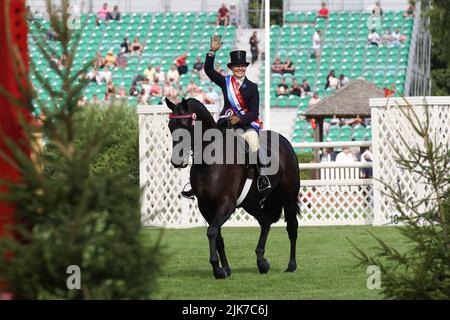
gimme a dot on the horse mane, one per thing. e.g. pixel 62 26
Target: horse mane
pixel 202 113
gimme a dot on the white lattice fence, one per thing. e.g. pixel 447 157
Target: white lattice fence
pixel 388 123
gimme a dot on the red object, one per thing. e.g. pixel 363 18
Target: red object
pixel 388 92
pixel 313 123
pixel 324 12
pixel 9 125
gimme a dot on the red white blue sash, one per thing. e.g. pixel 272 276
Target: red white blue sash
pixel 237 101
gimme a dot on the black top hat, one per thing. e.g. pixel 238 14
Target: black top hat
pixel 238 57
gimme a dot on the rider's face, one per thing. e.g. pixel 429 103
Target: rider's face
pixel 239 70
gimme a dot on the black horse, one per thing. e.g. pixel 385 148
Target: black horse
pixel 217 188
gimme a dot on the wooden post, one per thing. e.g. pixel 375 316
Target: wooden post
pixel 13 36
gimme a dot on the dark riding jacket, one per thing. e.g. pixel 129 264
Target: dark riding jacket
pixel 248 90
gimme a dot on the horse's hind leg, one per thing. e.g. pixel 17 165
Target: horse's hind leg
pixel 221 250
pixel 290 212
pixel 261 262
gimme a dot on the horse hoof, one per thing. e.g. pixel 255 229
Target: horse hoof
pixel 292 266
pixel 228 271
pixel 220 273
pixel 263 266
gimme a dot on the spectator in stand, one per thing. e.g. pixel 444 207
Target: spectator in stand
pixel 115 14
pixel 306 87
pixel 99 61
pixel 316 44
pixel 332 81
pixel 324 12
pixel 106 74
pixel 103 14
pixel 377 11
pixel 146 85
pixel 296 89
pixel 343 81
pixel 93 76
pixel 122 92
pixel 234 15
pixel 136 47
pixel 314 100
pixel 329 155
pixel 150 73
pixel 277 66
pixel 191 87
pixel 395 38
pixel 403 38
pixel 254 47
pixel 110 59
pixel 125 46
pixel 283 88
pixel 288 66
pixel 223 16
pixel 82 102
pixel 134 92
pixel 173 74
pixel 212 95
pixel 335 121
pixel 110 91
pixel 143 98
pixel 411 11
pixel 386 38
pixel 219 69
pixel 181 64
pixel 95 100
pixel 345 155
pixel 156 90
pixel 122 61
pixel 374 38
pixel 366 156
pixel 198 65
pixel 169 90
pixel 160 75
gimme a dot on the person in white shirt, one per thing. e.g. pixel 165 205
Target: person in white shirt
pixel 396 37
pixel 345 155
pixel 212 95
pixel 374 38
pixel 316 44
pixel 160 75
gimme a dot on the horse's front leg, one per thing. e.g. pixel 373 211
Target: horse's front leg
pixel 221 250
pixel 261 262
pixel 213 232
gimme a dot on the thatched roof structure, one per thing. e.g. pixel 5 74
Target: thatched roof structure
pixel 347 102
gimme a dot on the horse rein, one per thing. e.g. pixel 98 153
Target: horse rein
pixel 192 116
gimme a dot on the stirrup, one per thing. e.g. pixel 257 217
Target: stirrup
pixel 188 194
pixel 267 187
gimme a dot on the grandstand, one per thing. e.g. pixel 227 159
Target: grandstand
pixel 346 51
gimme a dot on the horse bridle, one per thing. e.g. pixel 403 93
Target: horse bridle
pixel 192 116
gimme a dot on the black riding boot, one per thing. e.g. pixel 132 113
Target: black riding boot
pixel 263 182
pixel 188 193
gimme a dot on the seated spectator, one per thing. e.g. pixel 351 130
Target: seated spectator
pixel 403 38
pixel 169 90
pixel 115 14
pixel 343 81
pixel 103 14
pixel 134 92
pixel 198 65
pixel 172 74
pixel 122 61
pixel 411 11
pixel 329 155
pixel 52 35
pixel 386 38
pixel 150 73
pixel 143 98
pixel 306 87
pixel 332 81
pixel 277 66
pixel 156 90
pixel 234 15
pixel 374 38
pixel 160 75
pixel 212 95
pixel 345 156
pixel 377 11
pixel 106 75
pixel 110 91
pixel 181 64
pixel 136 47
pixel 288 66
pixel 95 100
pixel 366 156
pixel 314 100
pixel 122 92
pixel 283 88
pixel 125 46
pixel 395 38
pixel 110 59
pixel 335 121
pixel 94 76
pixel 99 62
pixel 324 12
pixel 191 87
pixel 223 16
pixel 296 89
pixel 146 85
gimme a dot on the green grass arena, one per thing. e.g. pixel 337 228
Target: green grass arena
pixel 326 266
